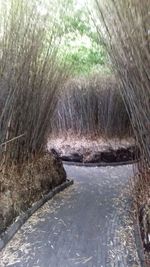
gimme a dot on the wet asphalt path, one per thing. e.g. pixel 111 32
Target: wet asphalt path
pixel 87 225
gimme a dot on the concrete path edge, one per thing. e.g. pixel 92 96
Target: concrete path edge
pixel 100 164
pixel 6 236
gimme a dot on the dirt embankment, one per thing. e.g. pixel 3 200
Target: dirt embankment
pixel 20 189
pixel 100 150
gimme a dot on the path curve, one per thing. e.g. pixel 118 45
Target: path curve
pixel 87 225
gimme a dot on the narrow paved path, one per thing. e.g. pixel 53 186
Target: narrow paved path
pixel 87 225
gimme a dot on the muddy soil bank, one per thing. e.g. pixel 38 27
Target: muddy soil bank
pixel 83 150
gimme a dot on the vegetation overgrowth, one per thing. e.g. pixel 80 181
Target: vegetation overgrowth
pixel 31 75
pixel 30 78
pixel 125 29
pixel 91 106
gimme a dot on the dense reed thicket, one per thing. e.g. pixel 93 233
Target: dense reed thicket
pixel 30 77
pixel 91 106
pixel 125 28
